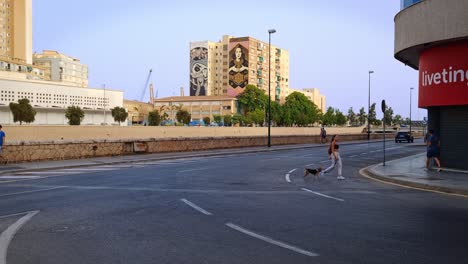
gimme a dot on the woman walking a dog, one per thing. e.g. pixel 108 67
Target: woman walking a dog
pixel 334 155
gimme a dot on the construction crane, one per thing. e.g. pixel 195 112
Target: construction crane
pixel 146 87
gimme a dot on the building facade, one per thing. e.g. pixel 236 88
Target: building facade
pixel 432 36
pixel 137 111
pixel 62 68
pixel 228 66
pixel 16 41
pixel 198 106
pixel 51 99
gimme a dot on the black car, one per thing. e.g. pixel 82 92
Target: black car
pixel 404 136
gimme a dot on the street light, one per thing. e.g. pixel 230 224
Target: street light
pixel 270 31
pixel 410 96
pixel 368 110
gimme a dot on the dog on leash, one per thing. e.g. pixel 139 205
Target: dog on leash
pixel 315 172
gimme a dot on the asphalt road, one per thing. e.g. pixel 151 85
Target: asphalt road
pixel 243 208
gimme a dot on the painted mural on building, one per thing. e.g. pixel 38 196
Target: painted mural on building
pixel 238 67
pixel 198 69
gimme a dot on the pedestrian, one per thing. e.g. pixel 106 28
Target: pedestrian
pixel 323 135
pixel 334 155
pixel 433 150
pixel 2 143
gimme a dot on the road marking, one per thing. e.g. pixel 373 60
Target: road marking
pixel 272 241
pixel 26 192
pixel 323 195
pixel 196 207
pixel 7 236
pixel 363 154
pixel 375 151
pixel 324 161
pixel 353 156
pixel 41 172
pixel 19 177
pixel 193 170
pixel 91 169
pixel 288 174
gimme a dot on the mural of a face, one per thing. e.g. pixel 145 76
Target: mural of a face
pixel 198 71
pixel 238 67
pixel 198 79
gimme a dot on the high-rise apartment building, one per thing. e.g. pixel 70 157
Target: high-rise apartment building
pixel 62 68
pixel 16 30
pixel 228 66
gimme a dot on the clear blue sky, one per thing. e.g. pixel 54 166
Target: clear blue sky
pixel 332 43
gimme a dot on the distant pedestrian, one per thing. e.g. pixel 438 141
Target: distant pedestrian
pixel 2 143
pixel 334 155
pixel 323 135
pixel 433 149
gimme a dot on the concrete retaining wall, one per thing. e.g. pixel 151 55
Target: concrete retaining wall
pixel 76 149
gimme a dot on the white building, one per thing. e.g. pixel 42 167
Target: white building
pixel 51 99
pixel 62 68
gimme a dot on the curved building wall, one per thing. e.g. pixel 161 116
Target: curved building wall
pixel 427 23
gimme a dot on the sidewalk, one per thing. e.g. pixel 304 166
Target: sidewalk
pixel 410 171
pixel 87 162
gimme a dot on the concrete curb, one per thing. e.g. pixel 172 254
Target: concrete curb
pixel 366 172
pixel 180 156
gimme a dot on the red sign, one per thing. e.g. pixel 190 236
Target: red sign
pixel 443 75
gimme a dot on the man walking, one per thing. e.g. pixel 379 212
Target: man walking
pixel 2 143
pixel 323 135
pixel 433 149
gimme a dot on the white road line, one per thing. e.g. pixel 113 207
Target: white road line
pixel 16 214
pixel 375 151
pixel 291 171
pixel 363 154
pixel 193 170
pixel 323 195
pixel 324 161
pixel 196 207
pixel 26 192
pixel 7 236
pixel 19 177
pixel 393 148
pixel 353 156
pixel 272 241
pixel 41 172
pixel 287 178
pixel 91 169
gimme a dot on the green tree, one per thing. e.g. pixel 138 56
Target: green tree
pixel 388 116
pixel 154 118
pixel 352 118
pixel 119 114
pixel 252 98
pixel 340 118
pixel 257 116
pixel 217 119
pixel 75 115
pixel 183 116
pixel 277 113
pixel 397 120
pixel 23 111
pixel 227 120
pixel 362 116
pixel 373 115
pixel 329 117
pixel 207 120
pixel 236 119
pixel 301 110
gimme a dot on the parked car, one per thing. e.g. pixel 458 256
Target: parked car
pixel 197 123
pixel 404 136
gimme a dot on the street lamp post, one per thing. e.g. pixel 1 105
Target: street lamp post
pixel 410 100
pixel 270 31
pixel 368 109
